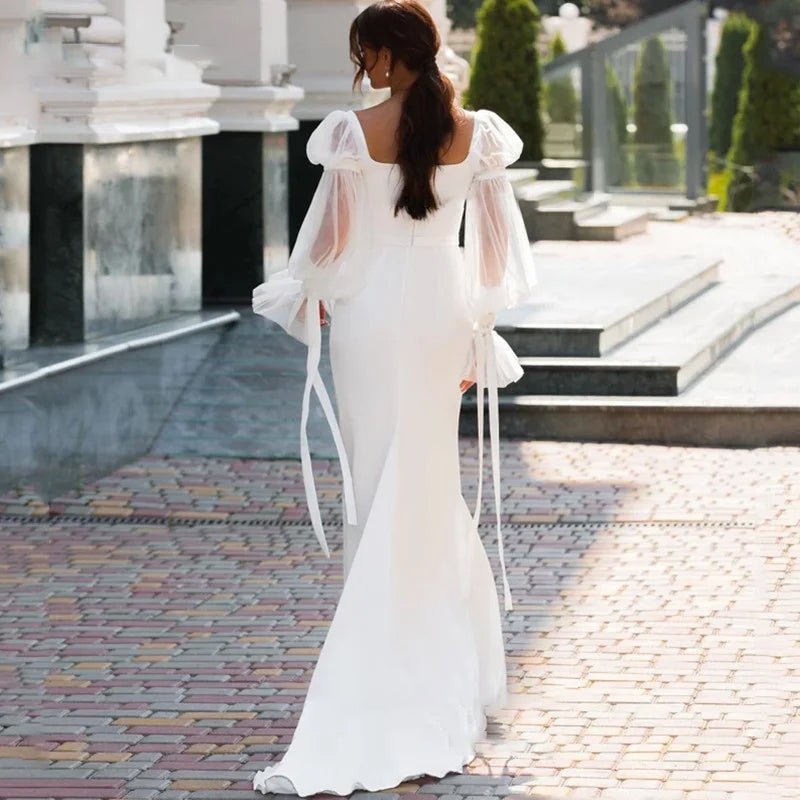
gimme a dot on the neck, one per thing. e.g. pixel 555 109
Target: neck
pixel 401 87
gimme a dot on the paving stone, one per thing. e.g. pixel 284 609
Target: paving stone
pixel 652 650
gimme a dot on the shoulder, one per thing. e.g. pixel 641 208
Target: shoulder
pixel 496 143
pixel 334 142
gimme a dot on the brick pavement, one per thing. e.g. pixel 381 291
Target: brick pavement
pixel 160 628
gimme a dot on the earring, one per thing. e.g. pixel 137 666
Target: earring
pixel 387 73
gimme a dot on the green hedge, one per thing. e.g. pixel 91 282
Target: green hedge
pixel 767 120
pixel 729 69
pixel 506 74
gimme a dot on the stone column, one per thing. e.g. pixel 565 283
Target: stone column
pixel 115 176
pixel 245 174
pixel 17 111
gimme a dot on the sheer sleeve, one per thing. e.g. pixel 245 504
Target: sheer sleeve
pixel 326 262
pixel 499 274
pixel 499 263
pixel 328 255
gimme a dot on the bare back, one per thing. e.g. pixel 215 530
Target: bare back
pixel 379 125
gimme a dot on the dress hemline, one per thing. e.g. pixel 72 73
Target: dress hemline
pixel 369 786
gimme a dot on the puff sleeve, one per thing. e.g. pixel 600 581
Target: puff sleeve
pixel 500 272
pixel 324 265
pixel 328 255
pixel 326 262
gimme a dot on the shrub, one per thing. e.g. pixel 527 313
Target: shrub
pixel 506 74
pixel 767 120
pixel 727 80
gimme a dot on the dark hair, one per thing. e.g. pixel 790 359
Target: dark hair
pixel 407 29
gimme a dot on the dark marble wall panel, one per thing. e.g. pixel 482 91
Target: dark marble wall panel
pixel 14 244
pixel 245 224
pixel 82 423
pixel 57 238
pixel 276 202
pixel 303 177
pixel 115 236
pixel 142 242
pixel 233 215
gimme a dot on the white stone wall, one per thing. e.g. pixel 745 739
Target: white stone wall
pixel 117 83
pixel 319 46
pixel 245 42
pixel 18 107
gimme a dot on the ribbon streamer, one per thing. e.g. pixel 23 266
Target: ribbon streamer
pixel 486 374
pixel 314 381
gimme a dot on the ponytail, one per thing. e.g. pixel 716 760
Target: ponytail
pixel 426 124
pixel 408 30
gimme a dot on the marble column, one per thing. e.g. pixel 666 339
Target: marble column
pixel 116 171
pixel 245 175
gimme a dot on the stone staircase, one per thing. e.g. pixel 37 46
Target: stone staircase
pixel 631 356
pixel 554 209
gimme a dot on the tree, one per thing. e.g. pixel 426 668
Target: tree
pixel 654 156
pixel 506 75
pixel 729 67
pixel 767 120
pixel 561 99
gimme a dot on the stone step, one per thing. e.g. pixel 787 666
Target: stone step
pixel 750 398
pixel 522 176
pixel 667 214
pixel 640 420
pixel 617 300
pixel 612 224
pixel 673 352
pixel 532 194
pixel 585 216
pixel 663 206
pixel 562 168
pixel 556 220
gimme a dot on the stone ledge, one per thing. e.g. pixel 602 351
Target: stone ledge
pixel 257 108
pixel 27 366
pixel 110 114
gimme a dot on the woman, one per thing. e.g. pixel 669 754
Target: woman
pixel 414 659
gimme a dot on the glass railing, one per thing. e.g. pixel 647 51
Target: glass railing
pixel 563 119
pixel 633 105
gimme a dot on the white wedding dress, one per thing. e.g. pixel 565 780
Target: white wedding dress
pixel 414 658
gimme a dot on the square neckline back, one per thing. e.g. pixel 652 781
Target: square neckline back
pixel 369 158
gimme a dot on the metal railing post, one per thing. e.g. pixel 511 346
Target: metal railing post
pixel 597 71
pixel 587 116
pixel 695 102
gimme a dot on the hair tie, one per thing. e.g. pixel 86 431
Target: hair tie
pixel 429 64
